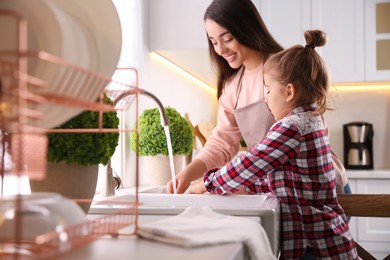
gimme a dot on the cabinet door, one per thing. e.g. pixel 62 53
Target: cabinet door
pixel 374 233
pixel 177 24
pixel 286 20
pixel 378 40
pixel 353 221
pixel 343 22
pixel 177 33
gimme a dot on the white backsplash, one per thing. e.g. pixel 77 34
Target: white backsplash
pixel 367 106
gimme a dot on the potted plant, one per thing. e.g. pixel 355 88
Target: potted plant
pixel 153 146
pixel 74 158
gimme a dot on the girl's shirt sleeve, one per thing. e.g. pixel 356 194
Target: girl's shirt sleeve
pixel 280 146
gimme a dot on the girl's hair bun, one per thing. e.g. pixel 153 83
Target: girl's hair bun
pixel 315 38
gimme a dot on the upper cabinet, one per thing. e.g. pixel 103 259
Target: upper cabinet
pixel 358 32
pixel 286 20
pixel 377 40
pixel 176 32
pixel 342 21
pixel 177 24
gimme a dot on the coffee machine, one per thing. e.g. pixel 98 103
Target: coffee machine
pixel 358 151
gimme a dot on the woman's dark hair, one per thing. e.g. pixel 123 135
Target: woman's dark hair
pixel 243 21
pixel 303 67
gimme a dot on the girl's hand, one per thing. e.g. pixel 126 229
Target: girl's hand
pixel 197 187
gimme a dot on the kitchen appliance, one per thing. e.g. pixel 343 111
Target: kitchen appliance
pixel 358 150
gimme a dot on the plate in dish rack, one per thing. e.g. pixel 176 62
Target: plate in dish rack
pixel 78 51
pixel 43 29
pixel 43 34
pixel 99 39
pixel 101 19
pixel 80 37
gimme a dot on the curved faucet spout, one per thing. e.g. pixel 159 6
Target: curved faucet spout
pixel 163 114
pixel 108 189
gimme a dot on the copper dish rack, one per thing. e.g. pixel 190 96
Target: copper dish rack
pixel 18 97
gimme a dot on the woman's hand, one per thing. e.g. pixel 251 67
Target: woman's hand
pixel 191 172
pixel 182 183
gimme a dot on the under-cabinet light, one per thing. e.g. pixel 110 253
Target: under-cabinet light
pixel 364 86
pixel 182 72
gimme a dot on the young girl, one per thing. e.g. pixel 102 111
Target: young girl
pixel 295 156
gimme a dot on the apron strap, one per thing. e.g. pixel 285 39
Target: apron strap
pixel 341 176
pixel 239 85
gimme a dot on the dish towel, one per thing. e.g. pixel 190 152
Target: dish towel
pixel 201 226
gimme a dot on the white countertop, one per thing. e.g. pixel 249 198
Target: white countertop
pixel 141 249
pixel 368 174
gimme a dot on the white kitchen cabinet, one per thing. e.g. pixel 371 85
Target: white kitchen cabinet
pixel 177 33
pixel 358 32
pixel 286 20
pixel 372 233
pixel 344 25
pixel 377 15
pixel 341 20
pixel 355 52
pixel 177 24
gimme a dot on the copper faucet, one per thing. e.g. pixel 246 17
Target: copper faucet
pixel 108 186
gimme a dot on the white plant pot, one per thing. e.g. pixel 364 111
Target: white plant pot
pixel 156 170
pixel 71 181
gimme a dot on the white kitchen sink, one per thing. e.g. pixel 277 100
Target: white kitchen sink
pixel 154 203
pixel 265 208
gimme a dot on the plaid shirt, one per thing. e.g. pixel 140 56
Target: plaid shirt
pixel 294 163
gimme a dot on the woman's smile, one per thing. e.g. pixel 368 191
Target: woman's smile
pixel 230 58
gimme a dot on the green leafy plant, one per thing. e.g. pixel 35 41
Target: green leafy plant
pixel 84 148
pixel 152 139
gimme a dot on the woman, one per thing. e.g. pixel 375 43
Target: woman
pixel 239 44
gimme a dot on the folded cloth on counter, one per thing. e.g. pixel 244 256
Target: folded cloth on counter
pixel 201 226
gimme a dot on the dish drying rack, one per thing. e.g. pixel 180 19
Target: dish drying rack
pixel 20 94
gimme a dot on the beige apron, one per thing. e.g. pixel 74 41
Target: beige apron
pixel 254 120
pixel 341 176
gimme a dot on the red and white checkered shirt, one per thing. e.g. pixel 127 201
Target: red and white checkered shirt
pixel 294 163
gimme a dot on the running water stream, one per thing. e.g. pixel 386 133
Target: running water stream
pixel 170 155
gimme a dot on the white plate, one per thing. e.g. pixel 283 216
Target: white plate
pixel 43 29
pixel 43 34
pixel 76 50
pixel 87 34
pixel 100 24
pixel 101 18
